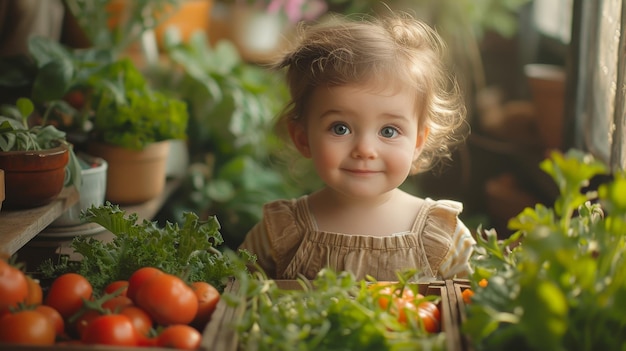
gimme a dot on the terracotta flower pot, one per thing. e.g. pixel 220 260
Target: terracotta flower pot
pixel 547 87
pixel 133 176
pixel 33 178
pixel 190 16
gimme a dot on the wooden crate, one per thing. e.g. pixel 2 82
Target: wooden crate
pixel 220 335
pixel 457 286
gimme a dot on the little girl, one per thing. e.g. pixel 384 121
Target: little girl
pixel 371 103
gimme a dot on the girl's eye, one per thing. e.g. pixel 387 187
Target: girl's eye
pixel 389 132
pixel 340 129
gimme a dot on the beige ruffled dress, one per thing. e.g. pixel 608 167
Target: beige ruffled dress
pixel 287 244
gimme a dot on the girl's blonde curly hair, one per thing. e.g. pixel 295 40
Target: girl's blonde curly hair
pixel 345 50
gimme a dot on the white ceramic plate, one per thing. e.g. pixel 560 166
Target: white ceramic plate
pixel 71 231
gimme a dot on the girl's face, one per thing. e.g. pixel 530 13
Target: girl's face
pixel 362 139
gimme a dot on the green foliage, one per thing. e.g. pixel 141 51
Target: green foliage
pixel 128 113
pixel 332 312
pixel 562 287
pixel 134 18
pixel 233 148
pixel 190 251
pixel 118 101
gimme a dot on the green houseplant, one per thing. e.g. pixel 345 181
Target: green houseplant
pixel 558 283
pixel 37 160
pixel 132 124
pixel 109 104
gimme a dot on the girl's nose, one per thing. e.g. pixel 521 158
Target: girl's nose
pixel 364 148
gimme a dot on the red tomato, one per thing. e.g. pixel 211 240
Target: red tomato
pixel 13 286
pixel 139 318
pixel 139 277
pixel 116 303
pixel 83 321
pixel 110 329
pixel 208 297
pixel 118 286
pixel 67 292
pixel 430 323
pixel 407 309
pixel 167 299
pixel 431 308
pixel 54 316
pixel 27 327
pixel 75 98
pixel 179 336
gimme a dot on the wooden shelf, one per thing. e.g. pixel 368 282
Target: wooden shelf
pixel 18 227
pixel 58 242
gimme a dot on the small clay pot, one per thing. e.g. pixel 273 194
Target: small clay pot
pixel 33 178
pixel 133 176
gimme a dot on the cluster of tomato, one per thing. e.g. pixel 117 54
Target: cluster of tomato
pixel 407 304
pixel 467 293
pixel 151 308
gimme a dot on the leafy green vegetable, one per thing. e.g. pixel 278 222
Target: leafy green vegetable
pixel 190 252
pixel 332 312
pixel 562 287
pixel 128 113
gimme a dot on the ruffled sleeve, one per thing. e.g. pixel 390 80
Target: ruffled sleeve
pixel 275 239
pixel 448 243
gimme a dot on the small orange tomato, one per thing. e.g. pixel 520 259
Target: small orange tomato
pixel 467 295
pixel 35 292
pixel 208 297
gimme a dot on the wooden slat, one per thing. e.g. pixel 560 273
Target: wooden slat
pixel 18 227
pixel 221 336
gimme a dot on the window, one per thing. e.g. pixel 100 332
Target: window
pixel 600 87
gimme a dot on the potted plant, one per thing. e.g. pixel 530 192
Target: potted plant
pixel 107 105
pixel 132 124
pixel 37 160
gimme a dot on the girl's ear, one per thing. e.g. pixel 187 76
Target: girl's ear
pixel 421 140
pixel 300 139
